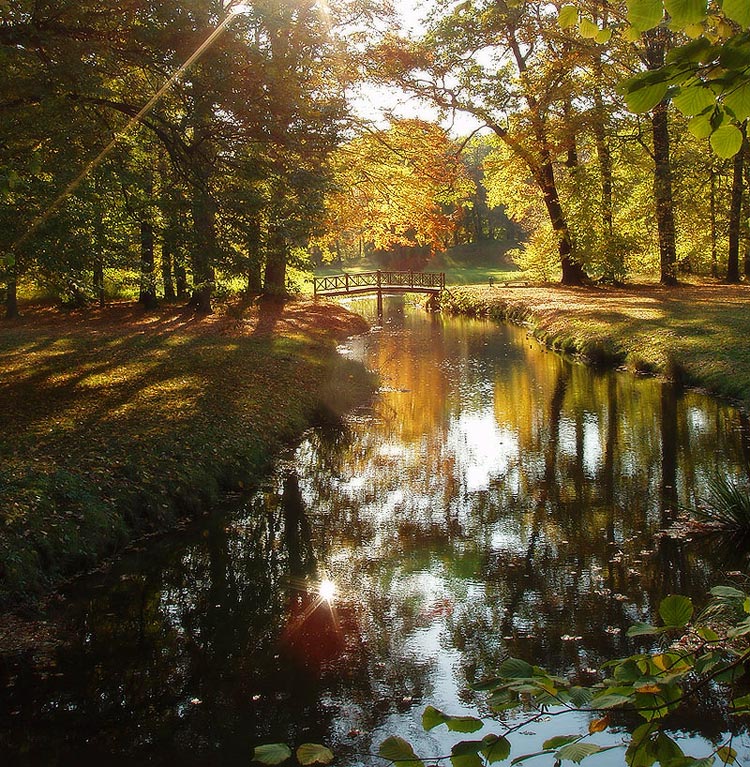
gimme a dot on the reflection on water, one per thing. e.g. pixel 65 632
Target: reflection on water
pixel 494 500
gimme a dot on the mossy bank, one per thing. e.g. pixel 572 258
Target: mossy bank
pixel 698 335
pixel 117 424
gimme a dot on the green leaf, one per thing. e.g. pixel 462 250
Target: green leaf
pixel 727 755
pixel 694 100
pixel 314 753
pixel 694 52
pixel 728 592
pixel 603 36
pixel 433 717
pixel 577 752
pixel 559 740
pixel 741 705
pixel 568 16
pixel 466 753
pixel 700 126
pixel 588 29
pixel 707 634
pixel 737 10
pixel 737 101
pixel 726 141
pixel 487 684
pixel 514 668
pixel 684 12
pixel 608 700
pixel 496 749
pixel 645 14
pixel 526 757
pixel 273 753
pixel 667 749
pixel 396 749
pixel 643 629
pixel 466 760
pixel 631 34
pixel 676 611
pixel 644 99
pixel 580 696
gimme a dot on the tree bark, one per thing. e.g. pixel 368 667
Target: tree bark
pixel 663 196
pixel 657 41
pixel 274 280
pixel 167 250
pixel 147 294
pixel 572 272
pixel 11 295
pixel 735 216
pixel 714 234
pixel 204 221
pixel 98 278
pixel 254 259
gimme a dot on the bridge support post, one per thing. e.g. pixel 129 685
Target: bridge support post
pixel 380 296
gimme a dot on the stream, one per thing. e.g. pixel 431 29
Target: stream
pixel 494 500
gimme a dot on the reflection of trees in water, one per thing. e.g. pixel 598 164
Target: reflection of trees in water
pixel 546 536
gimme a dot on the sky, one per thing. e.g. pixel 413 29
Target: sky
pixel 373 102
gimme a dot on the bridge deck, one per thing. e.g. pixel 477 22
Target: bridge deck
pixel 379 282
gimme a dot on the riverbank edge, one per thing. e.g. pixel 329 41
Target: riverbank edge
pixel 606 327
pixel 61 519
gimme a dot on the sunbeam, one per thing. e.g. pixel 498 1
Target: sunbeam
pixel 147 107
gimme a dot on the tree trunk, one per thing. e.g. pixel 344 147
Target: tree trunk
pixel 572 272
pixel 714 234
pixel 254 259
pixel 204 153
pixel 735 217
pixel 663 196
pixel 147 294
pixel 98 278
pixel 180 277
pixel 167 250
pixel 657 41
pixel 603 153
pixel 274 282
pixel 204 221
pixel 11 295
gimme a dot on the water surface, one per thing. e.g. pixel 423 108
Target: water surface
pixel 494 500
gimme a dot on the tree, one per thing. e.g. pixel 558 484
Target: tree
pixel 500 63
pixel 404 186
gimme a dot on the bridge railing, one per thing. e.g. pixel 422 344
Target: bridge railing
pixel 379 280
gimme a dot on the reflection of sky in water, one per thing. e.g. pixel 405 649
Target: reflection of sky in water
pixel 493 500
pixel 483 449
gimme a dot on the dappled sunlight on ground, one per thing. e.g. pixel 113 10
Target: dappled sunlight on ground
pixel 264 317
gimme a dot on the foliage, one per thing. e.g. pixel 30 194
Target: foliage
pixel 727 507
pixel 706 77
pixel 691 656
pixel 399 187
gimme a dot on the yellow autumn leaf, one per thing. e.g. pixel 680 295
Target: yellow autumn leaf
pixel 649 688
pixel 599 725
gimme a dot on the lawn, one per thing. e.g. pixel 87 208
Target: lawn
pixel 697 334
pixel 119 423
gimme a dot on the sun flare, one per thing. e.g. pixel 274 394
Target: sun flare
pixel 327 590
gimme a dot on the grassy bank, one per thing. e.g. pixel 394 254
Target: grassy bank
pixel 697 334
pixel 117 423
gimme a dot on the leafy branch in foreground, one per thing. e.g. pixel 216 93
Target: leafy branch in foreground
pixel 707 77
pixel 693 655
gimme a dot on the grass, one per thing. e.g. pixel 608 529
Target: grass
pixel 696 334
pixel 117 423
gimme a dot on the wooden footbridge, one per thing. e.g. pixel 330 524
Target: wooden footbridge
pixel 379 282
